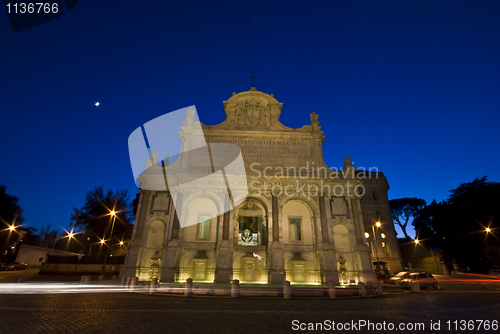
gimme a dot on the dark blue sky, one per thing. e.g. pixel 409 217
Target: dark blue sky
pixel 410 87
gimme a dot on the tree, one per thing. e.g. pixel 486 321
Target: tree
pixel 404 209
pixel 94 217
pixel 459 224
pixel 46 237
pixel 423 222
pixel 10 210
pixel 10 214
pixel 135 204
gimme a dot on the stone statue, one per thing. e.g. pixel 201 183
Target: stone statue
pixel 152 160
pixel 154 269
pixel 347 161
pixel 265 120
pixel 240 118
pixel 246 237
pixel 314 118
pixel 189 118
pixel 343 277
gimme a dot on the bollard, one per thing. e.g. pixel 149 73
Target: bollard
pixel 82 280
pixel 123 282
pixel 332 293
pixel 235 289
pixel 114 278
pixel 415 287
pixel 287 290
pixel 378 290
pixel 153 287
pixel 87 280
pixel 129 281
pixel 133 283
pixel 362 289
pixel 100 279
pixel 188 288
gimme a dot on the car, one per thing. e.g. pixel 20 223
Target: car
pixel 424 280
pixel 399 276
pixel 16 266
pixel 495 272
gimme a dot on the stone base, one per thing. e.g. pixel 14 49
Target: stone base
pixel 167 275
pixel 128 272
pixel 222 276
pixel 276 278
pixel 331 277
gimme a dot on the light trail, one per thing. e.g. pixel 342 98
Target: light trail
pixel 51 288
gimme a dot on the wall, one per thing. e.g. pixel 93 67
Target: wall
pixel 35 256
pixel 81 269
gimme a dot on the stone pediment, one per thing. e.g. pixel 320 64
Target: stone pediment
pixel 252 123
pixel 255 111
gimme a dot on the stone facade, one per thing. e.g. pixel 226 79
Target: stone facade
pixel 297 220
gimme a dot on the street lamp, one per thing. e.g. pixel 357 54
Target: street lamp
pixel 417 242
pixel 488 230
pixel 70 236
pixel 375 243
pixel 95 243
pixel 112 213
pixel 10 228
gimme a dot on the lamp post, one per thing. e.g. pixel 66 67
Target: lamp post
pixel 10 228
pixel 112 213
pixel 417 242
pixel 430 248
pixel 95 243
pixel 375 243
pixel 70 236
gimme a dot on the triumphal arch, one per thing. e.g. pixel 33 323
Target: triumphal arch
pixel 291 217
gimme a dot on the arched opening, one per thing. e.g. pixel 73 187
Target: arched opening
pixel 297 223
pixel 252 226
pixel 151 261
pixel 198 255
pixel 202 214
pixel 251 238
pixel 301 262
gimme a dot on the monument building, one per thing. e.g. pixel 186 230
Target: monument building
pixel 292 218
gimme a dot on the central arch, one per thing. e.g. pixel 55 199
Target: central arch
pixel 250 237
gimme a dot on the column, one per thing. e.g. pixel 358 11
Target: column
pixel 361 249
pixel 224 255
pixel 137 243
pixel 329 271
pixel 276 262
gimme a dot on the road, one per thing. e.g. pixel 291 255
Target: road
pixel 15 275
pixel 141 313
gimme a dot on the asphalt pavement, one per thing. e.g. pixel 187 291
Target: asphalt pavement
pixel 457 303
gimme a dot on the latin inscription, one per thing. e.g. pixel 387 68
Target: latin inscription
pixel 274 153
